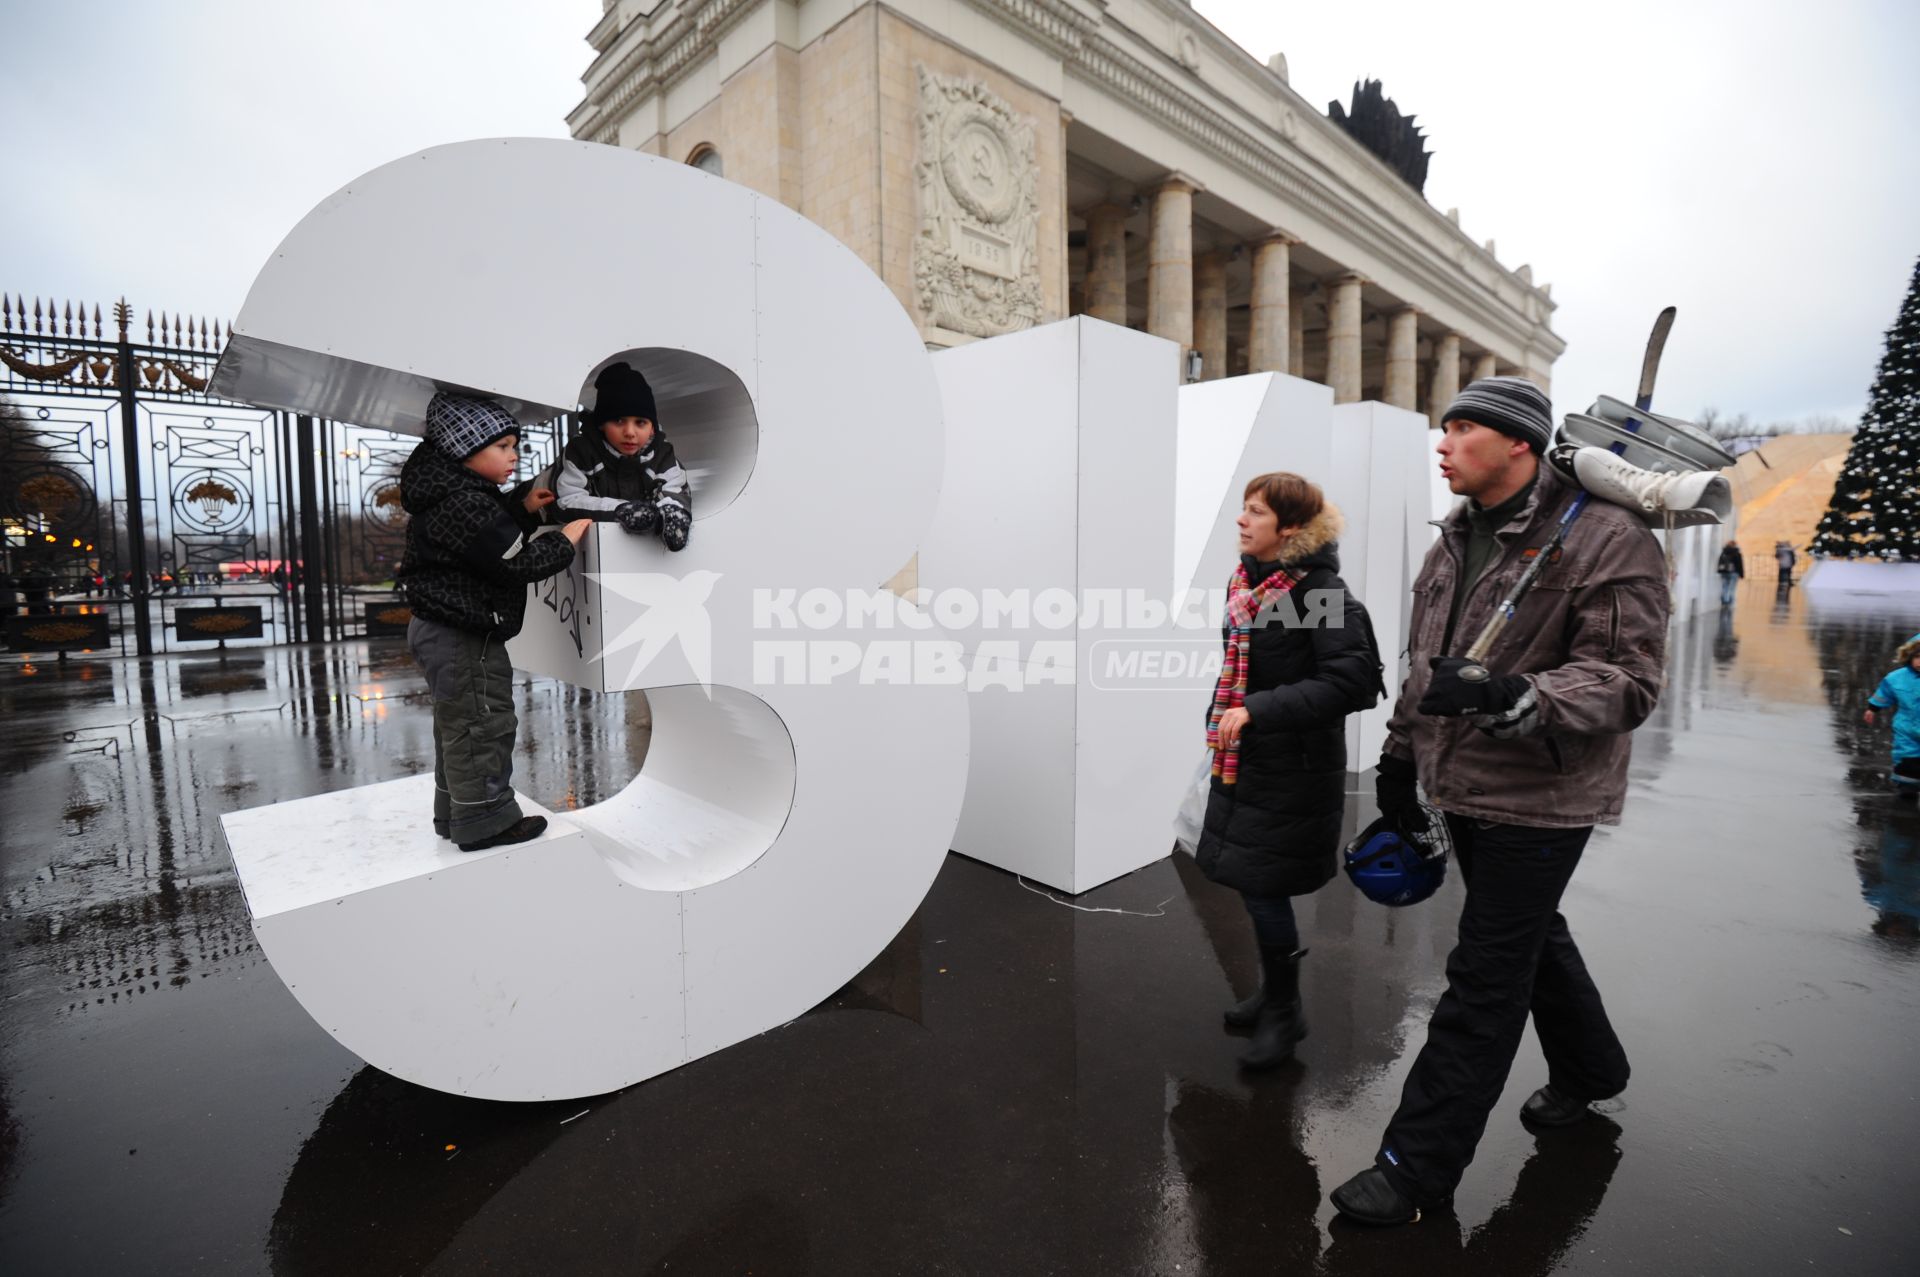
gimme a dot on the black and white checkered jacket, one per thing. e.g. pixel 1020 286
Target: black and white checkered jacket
pixel 470 549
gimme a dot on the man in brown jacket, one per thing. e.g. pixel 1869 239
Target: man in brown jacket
pixel 1523 765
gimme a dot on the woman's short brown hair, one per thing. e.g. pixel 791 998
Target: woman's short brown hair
pixel 1907 652
pixel 1295 501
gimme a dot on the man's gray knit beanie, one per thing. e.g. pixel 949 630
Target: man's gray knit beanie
pixel 461 425
pixel 1512 405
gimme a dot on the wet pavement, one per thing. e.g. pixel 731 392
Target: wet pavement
pixel 1016 1086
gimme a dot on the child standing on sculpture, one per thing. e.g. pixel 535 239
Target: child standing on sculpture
pixel 623 468
pixel 1900 692
pixel 471 553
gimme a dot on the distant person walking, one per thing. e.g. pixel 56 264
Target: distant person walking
pixel 1784 556
pixel 1732 569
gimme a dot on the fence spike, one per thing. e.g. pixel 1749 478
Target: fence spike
pixel 216 336
pixel 36 314
pixel 150 340
pixel 96 321
pixel 6 313
pixel 66 319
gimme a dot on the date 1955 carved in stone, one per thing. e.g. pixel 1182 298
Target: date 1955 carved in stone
pixel 974 266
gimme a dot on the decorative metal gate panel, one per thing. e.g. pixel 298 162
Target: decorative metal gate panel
pixel 140 512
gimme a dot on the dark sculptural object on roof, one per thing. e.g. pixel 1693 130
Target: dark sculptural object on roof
pixel 1376 123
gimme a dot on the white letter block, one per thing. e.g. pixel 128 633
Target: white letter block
pixel 1379 480
pixel 1060 477
pixel 779 834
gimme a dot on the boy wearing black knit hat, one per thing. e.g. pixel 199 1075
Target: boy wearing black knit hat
pixel 471 554
pixel 623 468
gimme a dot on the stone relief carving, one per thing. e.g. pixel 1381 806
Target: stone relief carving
pixel 974 265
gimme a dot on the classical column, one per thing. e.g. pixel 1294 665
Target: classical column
pixel 1170 263
pixel 1270 340
pixel 1297 332
pixel 1445 386
pixel 1107 263
pixel 1065 276
pixel 1210 314
pixel 1403 340
pixel 1343 338
pixel 1485 366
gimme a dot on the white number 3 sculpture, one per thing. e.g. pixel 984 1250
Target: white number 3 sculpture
pixel 780 833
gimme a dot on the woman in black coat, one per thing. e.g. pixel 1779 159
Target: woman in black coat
pixel 1299 658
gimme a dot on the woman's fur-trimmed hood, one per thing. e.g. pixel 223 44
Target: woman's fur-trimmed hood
pixel 1319 533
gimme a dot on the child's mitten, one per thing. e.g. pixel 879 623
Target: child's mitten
pixel 637 516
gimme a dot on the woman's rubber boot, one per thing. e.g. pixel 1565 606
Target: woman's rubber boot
pixel 1282 1023
pixel 1245 1013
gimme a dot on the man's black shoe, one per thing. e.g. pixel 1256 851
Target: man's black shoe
pixel 1547 1107
pixel 1371 1198
pixel 525 829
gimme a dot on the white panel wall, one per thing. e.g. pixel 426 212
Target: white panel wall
pixel 1379 481
pixel 1060 476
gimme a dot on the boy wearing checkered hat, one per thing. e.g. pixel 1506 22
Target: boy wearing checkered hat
pixel 471 554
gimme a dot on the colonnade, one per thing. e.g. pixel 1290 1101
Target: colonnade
pixel 1187 303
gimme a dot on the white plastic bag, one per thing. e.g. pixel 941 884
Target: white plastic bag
pixel 1193 807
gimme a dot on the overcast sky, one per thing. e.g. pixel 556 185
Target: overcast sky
pixel 1754 164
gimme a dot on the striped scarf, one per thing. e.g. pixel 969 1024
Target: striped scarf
pixel 1244 603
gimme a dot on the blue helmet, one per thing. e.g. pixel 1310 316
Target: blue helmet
pixel 1396 867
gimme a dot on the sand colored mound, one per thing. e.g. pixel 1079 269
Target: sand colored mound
pixel 1785 503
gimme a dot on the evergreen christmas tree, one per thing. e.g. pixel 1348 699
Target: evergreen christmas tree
pixel 1875 511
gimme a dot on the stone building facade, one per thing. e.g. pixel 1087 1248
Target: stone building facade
pixel 1007 163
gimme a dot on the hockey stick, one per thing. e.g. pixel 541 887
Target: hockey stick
pixel 1476 672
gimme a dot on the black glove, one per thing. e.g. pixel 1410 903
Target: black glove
pixel 1450 696
pixel 637 516
pixel 1396 792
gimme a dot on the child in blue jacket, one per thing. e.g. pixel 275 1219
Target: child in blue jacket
pixel 1900 692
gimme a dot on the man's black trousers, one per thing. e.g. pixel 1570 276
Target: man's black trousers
pixel 1514 957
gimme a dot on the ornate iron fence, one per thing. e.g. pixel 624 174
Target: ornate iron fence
pixel 133 501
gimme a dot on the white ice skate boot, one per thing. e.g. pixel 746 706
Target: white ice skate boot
pixel 1663 500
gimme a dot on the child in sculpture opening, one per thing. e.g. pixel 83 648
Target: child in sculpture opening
pixel 471 553
pixel 1300 656
pixel 1900 692
pixel 623 468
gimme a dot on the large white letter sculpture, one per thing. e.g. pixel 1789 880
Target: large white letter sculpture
pixel 793 808
pixel 1372 460
pixel 1058 505
pixel 1084 484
